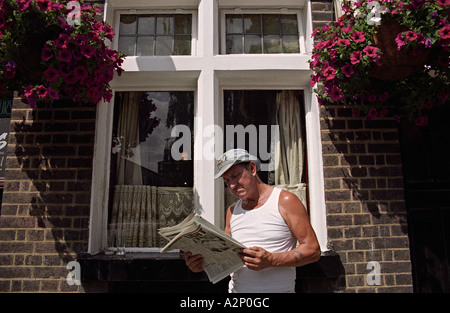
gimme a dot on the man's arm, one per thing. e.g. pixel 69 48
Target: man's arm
pixel 308 249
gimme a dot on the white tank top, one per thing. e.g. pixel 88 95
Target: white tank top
pixel 263 227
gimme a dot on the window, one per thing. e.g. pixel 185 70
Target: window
pixel 262 33
pixel 269 124
pixel 279 34
pixel 151 178
pixel 155 34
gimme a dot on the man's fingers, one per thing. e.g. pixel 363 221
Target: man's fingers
pixel 194 262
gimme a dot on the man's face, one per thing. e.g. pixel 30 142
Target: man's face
pixel 238 178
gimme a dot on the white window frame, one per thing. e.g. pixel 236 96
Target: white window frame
pixel 208 73
pixel 157 12
pixel 223 35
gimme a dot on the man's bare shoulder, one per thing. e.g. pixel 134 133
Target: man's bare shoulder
pixel 288 198
pixel 290 203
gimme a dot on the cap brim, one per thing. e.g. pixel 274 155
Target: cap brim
pixel 223 170
pixel 238 161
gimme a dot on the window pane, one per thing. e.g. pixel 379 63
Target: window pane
pixel 271 24
pixel 164 45
pixel 272 44
pixel 164 25
pixel 269 124
pixel 252 24
pixel 183 24
pixel 152 183
pixel 146 25
pixel 127 25
pixel 182 45
pixel 289 24
pixel 234 24
pixel 234 44
pixel 291 44
pixel 145 45
pixel 253 44
pixel 127 45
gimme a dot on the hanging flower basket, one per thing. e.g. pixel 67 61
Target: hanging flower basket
pixel 28 55
pixel 395 63
pixel 47 54
pixel 385 58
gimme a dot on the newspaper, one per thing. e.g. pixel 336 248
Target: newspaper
pixel 197 235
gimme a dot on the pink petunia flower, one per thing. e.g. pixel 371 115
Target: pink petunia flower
pixel 410 35
pixel 347 70
pixel 372 98
pixel 80 72
pixel 370 51
pixel 358 36
pixel 335 93
pixel 355 58
pixel 28 91
pixel 372 114
pixel 444 32
pixel 10 70
pixel 52 93
pixel 23 4
pixel 41 91
pixel 80 40
pixel 51 74
pixel 64 55
pixel 62 41
pixel 344 42
pixel 347 29
pixel 314 79
pixel 329 73
pixel 47 53
pixel 87 51
pixel 44 5
pixel 400 40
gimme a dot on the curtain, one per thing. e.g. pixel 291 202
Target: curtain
pixel 289 149
pixel 138 212
pixel 129 160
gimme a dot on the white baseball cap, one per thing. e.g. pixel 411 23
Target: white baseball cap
pixel 233 157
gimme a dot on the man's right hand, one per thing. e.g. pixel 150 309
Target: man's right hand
pixel 194 262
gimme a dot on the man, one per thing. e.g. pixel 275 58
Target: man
pixel 270 222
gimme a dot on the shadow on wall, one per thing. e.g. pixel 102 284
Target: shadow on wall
pixel 368 162
pixel 55 152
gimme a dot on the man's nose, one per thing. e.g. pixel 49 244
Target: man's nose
pixel 232 184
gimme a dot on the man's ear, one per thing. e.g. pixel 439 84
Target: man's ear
pixel 252 167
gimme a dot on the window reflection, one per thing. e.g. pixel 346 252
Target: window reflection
pixel 151 174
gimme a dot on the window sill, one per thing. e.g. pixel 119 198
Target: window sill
pixel 170 266
pixel 139 266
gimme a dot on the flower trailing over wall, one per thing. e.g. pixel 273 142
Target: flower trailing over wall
pixel 385 57
pixel 55 49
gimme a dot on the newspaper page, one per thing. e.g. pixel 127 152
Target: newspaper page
pixel 218 249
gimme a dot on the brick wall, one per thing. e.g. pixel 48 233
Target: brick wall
pixel 364 195
pixel 45 211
